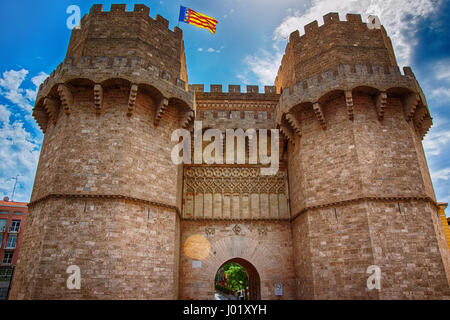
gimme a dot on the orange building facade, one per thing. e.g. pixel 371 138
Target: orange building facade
pixel 12 219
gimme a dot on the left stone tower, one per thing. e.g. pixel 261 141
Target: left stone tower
pixel 98 201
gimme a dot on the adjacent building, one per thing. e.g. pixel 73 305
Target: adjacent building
pixel 12 218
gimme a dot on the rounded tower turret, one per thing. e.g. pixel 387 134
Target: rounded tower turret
pixel 360 190
pixel 107 196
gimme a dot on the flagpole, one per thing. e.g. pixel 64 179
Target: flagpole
pixel 178 25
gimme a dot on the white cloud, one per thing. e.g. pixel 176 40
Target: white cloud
pixel 200 49
pixel 19 154
pixel 10 88
pixel 228 14
pixel 440 92
pixel 212 50
pixel 263 65
pixel 442 174
pixel 437 140
pixel 37 80
pixel 399 17
pixel 442 70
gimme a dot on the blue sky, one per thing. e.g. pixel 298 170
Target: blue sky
pixel 246 49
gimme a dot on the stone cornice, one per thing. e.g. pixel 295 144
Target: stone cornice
pixel 361 199
pixel 104 196
pixel 133 69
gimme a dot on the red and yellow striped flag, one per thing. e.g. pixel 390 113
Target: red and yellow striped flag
pixel 197 19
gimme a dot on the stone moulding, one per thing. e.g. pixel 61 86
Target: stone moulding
pixel 360 199
pixel 349 77
pixel 104 196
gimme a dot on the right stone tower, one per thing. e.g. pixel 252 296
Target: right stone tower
pixel 360 190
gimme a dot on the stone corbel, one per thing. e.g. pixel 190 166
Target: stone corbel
pixel 66 98
pixel 380 104
pixel 288 133
pixel 319 114
pixel 410 102
pixel 294 123
pixel 419 116
pixel 188 116
pixel 425 126
pixel 132 99
pixel 51 106
pixel 41 118
pixel 98 98
pixel 349 103
pixel 161 107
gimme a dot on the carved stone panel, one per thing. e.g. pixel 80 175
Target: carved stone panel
pixel 238 193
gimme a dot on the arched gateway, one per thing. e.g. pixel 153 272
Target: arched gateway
pixel 254 281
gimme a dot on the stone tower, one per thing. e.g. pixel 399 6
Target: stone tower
pixel 360 189
pixel 352 191
pixel 105 193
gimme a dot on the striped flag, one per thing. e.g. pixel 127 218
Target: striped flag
pixel 197 19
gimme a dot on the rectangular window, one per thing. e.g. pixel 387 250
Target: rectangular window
pixel 5 274
pixel 3 293
pixel 4 212
pixel 11 243
pixel 2 225
pixel 15 226
pixel 7 258
pixel 1 240
pixel 17 213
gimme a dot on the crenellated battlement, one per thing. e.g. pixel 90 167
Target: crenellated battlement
pixel 327 46
pixel 139 10
pixel 232 88
pixel 121 33
pixel 330 20
pixel 232 119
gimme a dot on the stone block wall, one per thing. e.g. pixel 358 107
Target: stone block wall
pixel 264 244
pixel 359 198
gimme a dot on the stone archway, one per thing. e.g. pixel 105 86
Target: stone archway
pixel 254 281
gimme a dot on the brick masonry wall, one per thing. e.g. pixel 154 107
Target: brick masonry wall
pixel 104 156
pixel 355 159
pixel 109 153
pixel 341 242
pixel 107 196
pixel 262 243
pixel 138 34
pixel 124 250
